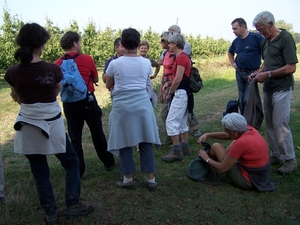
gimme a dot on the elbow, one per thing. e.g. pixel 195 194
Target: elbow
pixel 291 68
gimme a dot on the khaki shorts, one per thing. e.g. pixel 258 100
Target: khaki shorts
pixel 235 175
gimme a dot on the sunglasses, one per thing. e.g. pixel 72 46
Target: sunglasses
pixel 163 40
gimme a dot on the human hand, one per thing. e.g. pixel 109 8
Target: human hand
pixel 168 96
pixel 234 65
pixel 111 88
pixel 201 138
pixel 153 76
pixel 166 85
pixel 203 155
pixel 258 77
pixel 252 76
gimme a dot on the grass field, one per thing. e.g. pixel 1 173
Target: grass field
pixel 178 200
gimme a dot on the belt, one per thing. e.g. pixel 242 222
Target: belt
pixel 51 119
pixel 246 70
pixel 54 118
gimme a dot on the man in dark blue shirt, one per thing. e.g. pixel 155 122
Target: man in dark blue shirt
pixel 119 52
pixel 246 48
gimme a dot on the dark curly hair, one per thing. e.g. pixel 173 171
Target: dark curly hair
pixel 67 41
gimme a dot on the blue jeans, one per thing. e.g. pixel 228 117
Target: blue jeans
pixel 243 88
pixel 78 112
pixel 40 171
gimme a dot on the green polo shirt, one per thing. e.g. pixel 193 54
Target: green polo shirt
pixel 276 54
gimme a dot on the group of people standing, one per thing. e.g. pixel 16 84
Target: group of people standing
pixel 276 47
pixel 40 130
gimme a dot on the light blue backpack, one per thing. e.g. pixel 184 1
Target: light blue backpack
pixel 73 87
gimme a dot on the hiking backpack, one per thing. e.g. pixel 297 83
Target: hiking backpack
pixel 232 106
pixel 73 86
pixel 197 168
pixel 195 79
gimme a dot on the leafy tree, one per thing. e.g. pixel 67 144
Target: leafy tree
pixel 106 44
pixel 297 37
pixel 9 30
pixel 153 38
pixel 284 25
pixel 52 50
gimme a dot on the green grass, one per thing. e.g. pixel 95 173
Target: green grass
pixel 178 200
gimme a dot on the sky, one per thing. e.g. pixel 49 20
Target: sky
pixel 196 17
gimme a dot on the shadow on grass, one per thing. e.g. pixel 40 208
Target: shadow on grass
pixel 178 199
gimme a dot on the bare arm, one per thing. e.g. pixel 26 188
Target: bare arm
pixel 222 166
pixel 109 82
pixel 14 95
pixel 215 135
pixel 157 68
pixel 177 79
pixel 95 78
pixel 231 59
pixel 104 77
pixel 280 72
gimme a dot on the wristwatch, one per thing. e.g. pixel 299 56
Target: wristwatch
pixel 269 74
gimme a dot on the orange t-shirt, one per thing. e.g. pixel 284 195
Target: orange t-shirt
pixel 251 150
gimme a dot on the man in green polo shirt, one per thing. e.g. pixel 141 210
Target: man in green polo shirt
pixel 279 55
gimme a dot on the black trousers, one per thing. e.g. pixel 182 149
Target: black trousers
pixel 90 112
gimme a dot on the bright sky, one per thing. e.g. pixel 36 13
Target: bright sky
pixel 197 17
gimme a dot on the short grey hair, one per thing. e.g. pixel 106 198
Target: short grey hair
pixel 178 39
pixel 263 17
pixel 175 29
pixel 166 35
pixel 235 122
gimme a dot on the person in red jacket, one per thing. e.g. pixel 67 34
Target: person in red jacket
pixel 77 112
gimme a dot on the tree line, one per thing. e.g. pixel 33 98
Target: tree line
pixel 99 43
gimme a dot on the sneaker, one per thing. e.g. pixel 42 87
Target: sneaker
pixel 152 186
pixel 175 154
pixel 185 150
pixel 274 160
pixel 196 133
pixel 51 219
pixel 288 167
pixel 167 141
pixel 79 209
pixel 128 185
